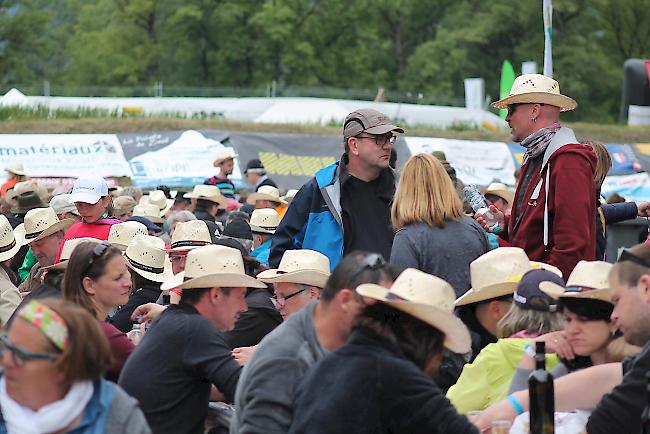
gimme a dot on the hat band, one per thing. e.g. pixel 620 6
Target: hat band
pixel 267 228
pixel 579 289
pixel 8 246
pixel 394 297
pixel 189 243
pixel 34 234
pixel 143 267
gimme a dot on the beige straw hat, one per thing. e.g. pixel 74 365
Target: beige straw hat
pixel 264 221
pixel 536 88
pixel 10 242
pixel 589 279
pixel 40 223
pixel 149 211
pixel 146 256
pixel 16 167
pixel 190 235
pixel 223 156
pixel 208 192
pixel 291 193
pixel 495 274
pixel 123 205
pixel 266 192
pixel 66 252
pixel 427 298
pixel 159 199
pixel 306 267
pixel 501 190
pixel 122 234
pixel 212 266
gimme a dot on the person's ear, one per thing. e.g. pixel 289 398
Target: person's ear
pixel 644 288
pixel 353 145
pixel 88 285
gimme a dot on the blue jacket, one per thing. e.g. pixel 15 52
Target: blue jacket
pixel 261 252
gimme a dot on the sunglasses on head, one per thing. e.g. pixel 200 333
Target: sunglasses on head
pixel 97 253
pixel 626 256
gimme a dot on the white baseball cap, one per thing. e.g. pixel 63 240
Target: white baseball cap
pixel 62 204
pixel 89 189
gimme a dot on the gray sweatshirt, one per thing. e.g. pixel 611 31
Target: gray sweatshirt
pixel 265 391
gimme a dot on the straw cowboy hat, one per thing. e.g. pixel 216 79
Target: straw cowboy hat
pixel 66 252
pixel 190 235
pixel 149 211
pixel 159 199
pixel 30 185
pixel 501 190
pixel 122 234
pixel 306 267
pixel 266 192
pixel 291 193
pixel 264 221
pixel 589 279
pixel 40 223
pixel 26 201
pixel 10 242
pixel 16 167
pixel 497 273
pixel 427 298
pixel 212 266
pixel 208 192
pixel 223 156
pixel 146 256
pixel 536 88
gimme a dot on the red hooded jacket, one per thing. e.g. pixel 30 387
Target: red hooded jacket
pixel 568 170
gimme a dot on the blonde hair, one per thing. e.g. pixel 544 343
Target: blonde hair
pixel 425 194
pixel 603 164
pixel 518 319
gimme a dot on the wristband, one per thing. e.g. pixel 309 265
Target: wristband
pixel 515 404
pixel 530 351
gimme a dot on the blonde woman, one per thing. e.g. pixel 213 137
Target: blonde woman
pixel 433 235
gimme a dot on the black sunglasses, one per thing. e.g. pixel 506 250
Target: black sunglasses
pixel 374 261
pixel 97 253
pixel 626 256
pixel 20 356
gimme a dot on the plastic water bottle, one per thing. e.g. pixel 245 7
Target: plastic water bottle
pixel 136 333
pixel 481 206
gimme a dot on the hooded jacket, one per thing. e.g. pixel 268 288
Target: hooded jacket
pixel 555 221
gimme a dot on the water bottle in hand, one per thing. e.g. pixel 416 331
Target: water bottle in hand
pixel 481 206
pixel 135 334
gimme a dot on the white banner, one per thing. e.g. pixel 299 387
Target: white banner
pixel 64 155
pixel 634 187
pixel 475 162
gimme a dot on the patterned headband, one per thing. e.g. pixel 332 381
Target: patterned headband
pixel 47 321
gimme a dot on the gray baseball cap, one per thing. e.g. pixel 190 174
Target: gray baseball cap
pixel 368 120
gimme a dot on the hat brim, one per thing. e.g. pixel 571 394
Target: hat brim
pixel 486 293
pixel 211 281
pixel 544 266
pixel 383 129
pixel 558 292
pixel 91 198
pixel 304 277
pixel 562 101
pixel 252 198
pixel 503 194
pixel 4 256
pixel 222 202
pixel 457 338
pixel 218 161
pixel 56 227
pixel 261 230
pixel 154 277
pixel 16 172
pixel 152 219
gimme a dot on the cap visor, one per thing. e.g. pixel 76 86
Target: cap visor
pixel 90 198
pixel 487 293
pixel 383 129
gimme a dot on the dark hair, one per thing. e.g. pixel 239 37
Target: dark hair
pixel 392 161
pixel 592 309
pixel 204 205
pixel 194 295
pixel 138 281
pixel 420 342
pixel 85 263
pixel 352 271
pixel 54 278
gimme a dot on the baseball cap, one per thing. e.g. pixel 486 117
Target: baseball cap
pixel 529 296
pixel 145 221
pixel 238 228
pixel 89 189
pixel 255 166
pixel 62 203
pixel 368 120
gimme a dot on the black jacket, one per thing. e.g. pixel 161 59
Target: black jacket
pixel 122 319
pixel 368 386
pixel 258 321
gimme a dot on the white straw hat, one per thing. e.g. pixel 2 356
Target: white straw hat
pixel 67 250
pixel 146 256
pixel 536 88
pixel 307 267
pixel 208 192
pixel 501 190
pixel 427 298
pixel 122 234
pixel 223 156
pixel 40 223
pixel 16 167
pixel 266 192
pixel 589 279
pixel 10 242
pixel 291 193
pixel 212 266
pixel 148 211
pixel 190 235
pixel 159 199
pixel 265 221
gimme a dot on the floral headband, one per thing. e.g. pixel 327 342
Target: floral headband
pixel 47 321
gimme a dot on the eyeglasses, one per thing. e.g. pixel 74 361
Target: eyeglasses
pixel 512 108
pixel 97 253
pixel 20 356
pixel 626 256
pixel 373 261
pixel 380 140
pixel 279 302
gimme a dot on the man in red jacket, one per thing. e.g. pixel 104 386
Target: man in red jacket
pixel 554 210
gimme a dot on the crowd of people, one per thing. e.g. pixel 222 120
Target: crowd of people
pixel 365 301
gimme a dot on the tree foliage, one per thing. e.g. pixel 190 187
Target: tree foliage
pixel 417 46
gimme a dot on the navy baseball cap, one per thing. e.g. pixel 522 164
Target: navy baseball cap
pixel 529 296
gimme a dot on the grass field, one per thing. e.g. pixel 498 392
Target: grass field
pixel 608 133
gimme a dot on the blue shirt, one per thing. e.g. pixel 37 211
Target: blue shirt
pixel 261 252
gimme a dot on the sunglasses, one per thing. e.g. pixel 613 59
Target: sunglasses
pixel 20 356
pixel 380 140
pixel 279 302
pixel 97 253
pixel 626 256
pixel 373 261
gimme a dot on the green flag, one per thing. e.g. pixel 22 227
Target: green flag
pixel 507 78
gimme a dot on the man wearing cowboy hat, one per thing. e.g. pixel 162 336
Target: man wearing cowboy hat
pixel 263 224
pixel 346 206
pixel 172 370
pixel 268 197
pixel 44 233
pixel 225 162
pixel 553 211
pixel 15 174
pixel 499 195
